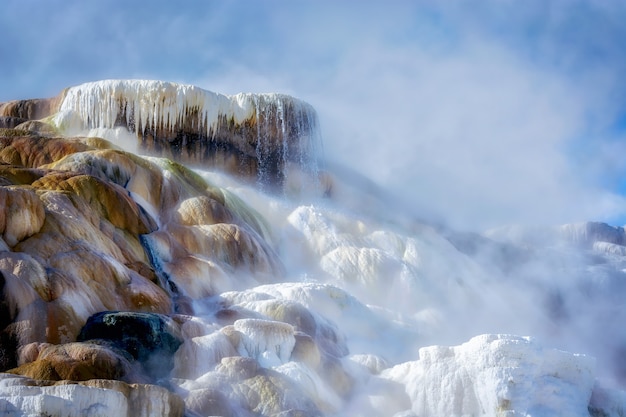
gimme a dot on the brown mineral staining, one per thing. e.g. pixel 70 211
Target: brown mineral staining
pixel 21 213
pixel 87 228
pixel 202 210
pixel 35 151
pixel 73 235
pixel 71 212
pixel 108 201
pixel 76 362
pixel 31 109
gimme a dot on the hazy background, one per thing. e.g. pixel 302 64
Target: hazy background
pixel 477 112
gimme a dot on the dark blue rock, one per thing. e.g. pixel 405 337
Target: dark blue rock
pixel 151 339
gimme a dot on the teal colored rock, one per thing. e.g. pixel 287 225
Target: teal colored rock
pixel 151 339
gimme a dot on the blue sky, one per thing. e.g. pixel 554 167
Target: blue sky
pixel 482 112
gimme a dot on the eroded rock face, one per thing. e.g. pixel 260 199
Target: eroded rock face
pixel 21 213
pixel 68 239
pixel 31 109
pixel 86 228
pixel 255 136
pixel 85 212
pixel 10 122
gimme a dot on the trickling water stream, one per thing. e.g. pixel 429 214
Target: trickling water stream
pixel 155 259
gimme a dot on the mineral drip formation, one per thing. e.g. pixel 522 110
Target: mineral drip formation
pixel 255 136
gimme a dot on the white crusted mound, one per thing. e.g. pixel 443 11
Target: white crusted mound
pixel 20 396
pixel 166 105
pixel 497 375
pixel 150 103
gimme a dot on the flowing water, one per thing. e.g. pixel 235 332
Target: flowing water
pixel 333 289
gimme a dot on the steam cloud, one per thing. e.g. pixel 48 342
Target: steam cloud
pixel 510 112
pixel 475 116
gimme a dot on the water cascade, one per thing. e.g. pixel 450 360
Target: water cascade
pixel 263 136
pixel 136 285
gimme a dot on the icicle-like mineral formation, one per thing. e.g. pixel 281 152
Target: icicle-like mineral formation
pixel 262 136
